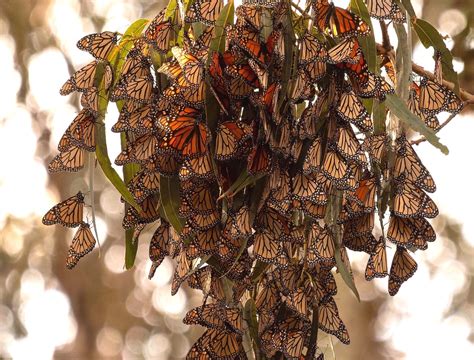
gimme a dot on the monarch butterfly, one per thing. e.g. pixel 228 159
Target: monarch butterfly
pixel 200 167
pixel 205 11
pixel 259 160
pixel 145 182
pixel 84 78
pixel 359 242
pixel 192 66
pixel 410 201
pixel 376 146
pixel 360 225
pixel 267 295
pixel 243 72
pixel 346 142
pixel 249 13
pixel 148 215
pixel 298 302
pixel 311 50
pixel 346 51
pixel 338 21
pixel 67 213
pixel 324 284
pixel 386 9
pixel 435 98
pixel 81 132
pixel 201 199
pixel 90 100
pixel 203 222
pixel 159 246
pixel 82 244
pixel 358 68
pixel 334 166
pixel 409 164
pixel 230 137
pixel 158 32
pixel 368 85
pixel 269 250
pixel 330 322
pixel 218 344
pixel 321 248
pixel 247 39
pixel 135 65
pixel 174 72
pixel 204 242
pixel 215 316
pixel 139 121
pixel 187 136
pixel 138 89
pixel 141 150
pixel 183 267
pixel 303 90
pixel 364 195
pixel 305 187
pixel 99 45
pixel 189 96
pixel 410 232
pixel 414 106
pixel 289 337
pixel 351 109
pixel 206 315
pixel 71 160
pixel 206 280
pixel 241 226
pixel 403 267
pixel 377 264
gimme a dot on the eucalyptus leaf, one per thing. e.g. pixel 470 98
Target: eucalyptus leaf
pixel 430 37
pixel 401 111
pixel 226 17
pixel 170 201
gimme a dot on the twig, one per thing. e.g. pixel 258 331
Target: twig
pixel 421 139
pixel 467 97
pixel 385 38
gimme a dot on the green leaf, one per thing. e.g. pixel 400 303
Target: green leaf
pixel 250 316
pixel 117 57
pixel 225 17
pixel 429 36
pixel 408 7
pixel 170 201
pixel 131 248
pixel 345 273
pixel 171 9
pixel 367 43
pixel 379 115
pixel 242 181
pixel 104 162
pixel 401 111
pixel 403 62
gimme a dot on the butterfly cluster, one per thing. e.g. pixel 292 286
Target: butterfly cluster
pixel 264 134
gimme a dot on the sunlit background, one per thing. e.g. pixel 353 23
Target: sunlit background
pixel 99 310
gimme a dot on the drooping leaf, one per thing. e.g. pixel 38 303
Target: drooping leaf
pixel 170 201
pixel 403 62
pixel 171 9
pixel 345 273
pixel 401 111
pixel 430 37
pixel 409 7
pixel 226 17
pixel 367 43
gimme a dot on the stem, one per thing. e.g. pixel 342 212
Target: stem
pixel 313 337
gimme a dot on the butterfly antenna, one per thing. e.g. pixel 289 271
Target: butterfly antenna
pixel 91 189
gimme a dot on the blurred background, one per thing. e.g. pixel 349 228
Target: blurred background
pixel 99 310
